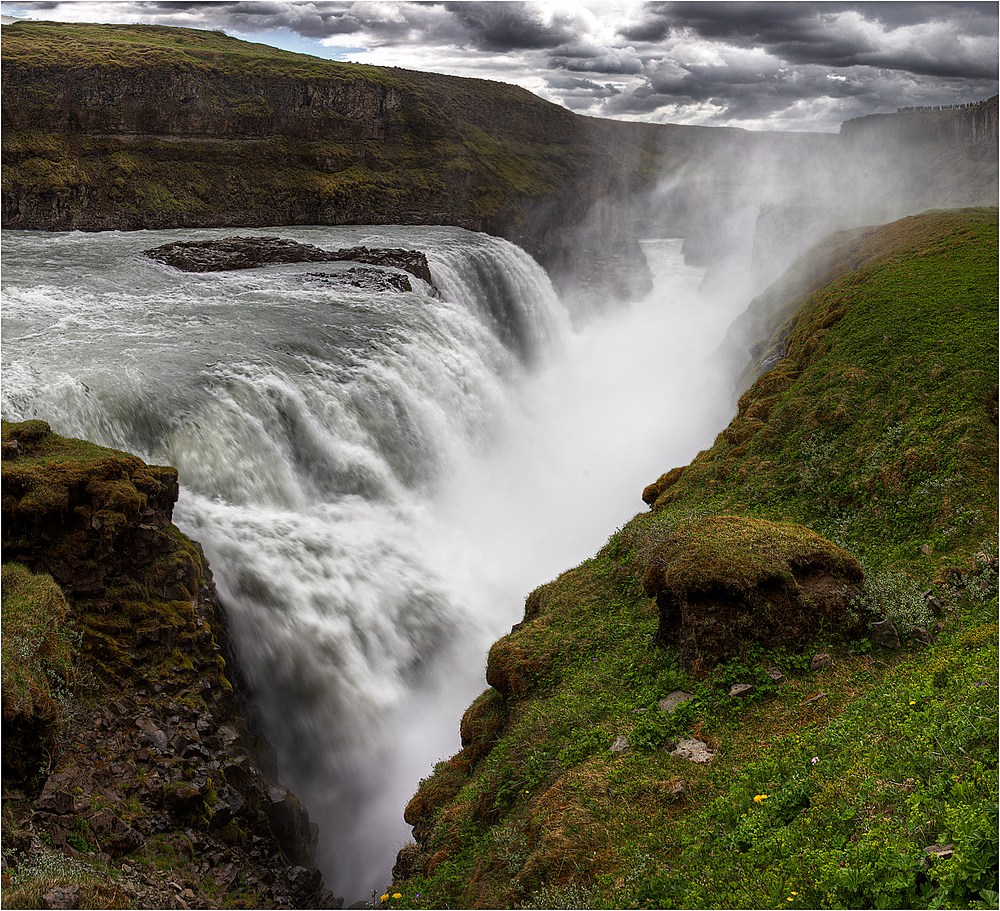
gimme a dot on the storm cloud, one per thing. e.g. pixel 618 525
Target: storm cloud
pixel 758 65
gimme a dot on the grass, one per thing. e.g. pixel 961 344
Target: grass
pixel 878 432
pixel 37 648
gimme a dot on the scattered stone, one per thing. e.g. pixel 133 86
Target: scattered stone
pixel 919 634
pixel 821 661
pixel 62 897
pixel 678 789
pixel 925 549
pixel 693 750
pixel 885 634
pixel 933 604
pixel 57 794
pixel 113 834
pixel 156 736
pixel 943 852
pixel 620 745
pixel 677 697
pixel 740 689
pixel 775 675
pixel 813 699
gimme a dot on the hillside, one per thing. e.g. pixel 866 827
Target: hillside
pixel 850 730
pixel 148 127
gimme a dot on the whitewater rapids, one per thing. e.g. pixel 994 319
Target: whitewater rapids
pixel 377 478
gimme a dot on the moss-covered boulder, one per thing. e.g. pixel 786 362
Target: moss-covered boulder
pixel 726 582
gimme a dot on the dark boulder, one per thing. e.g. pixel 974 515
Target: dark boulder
pixel 232 253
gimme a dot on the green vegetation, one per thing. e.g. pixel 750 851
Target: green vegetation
pixel 84 46
pixel 37 648
pixel 877 430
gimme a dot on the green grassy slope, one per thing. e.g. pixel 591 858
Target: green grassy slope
pixel 878 430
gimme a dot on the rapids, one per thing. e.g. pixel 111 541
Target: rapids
pixel 377 478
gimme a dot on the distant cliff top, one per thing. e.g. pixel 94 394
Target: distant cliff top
pixel 975 122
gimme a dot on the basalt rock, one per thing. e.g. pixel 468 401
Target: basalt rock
pixel 726 582
pixel 232 253
pixel 153 752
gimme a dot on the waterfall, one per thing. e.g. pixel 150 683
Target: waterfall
pixel 377 478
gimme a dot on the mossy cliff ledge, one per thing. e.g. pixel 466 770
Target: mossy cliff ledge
pixel 777 687
pixel 131 774
pixel 725 582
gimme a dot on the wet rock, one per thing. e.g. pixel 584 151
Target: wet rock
pixel 365 279
pixel 740 689
pixel 233 253
pixel 885 634
pixel 670 702
pixel 693 750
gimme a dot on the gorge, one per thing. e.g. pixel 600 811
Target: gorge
pixel 379 473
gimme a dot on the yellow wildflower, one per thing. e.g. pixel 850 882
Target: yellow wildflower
pixel 759 798
pixel 397 894
pixel 384 898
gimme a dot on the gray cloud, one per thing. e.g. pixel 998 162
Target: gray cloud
pixel 834 34
pixel 508 26
pixel 756 64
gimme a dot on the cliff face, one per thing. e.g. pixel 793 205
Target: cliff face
pixel 114 127
pixel 135 760
pixel 970 124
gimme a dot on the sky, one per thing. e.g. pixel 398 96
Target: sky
pixel 761 66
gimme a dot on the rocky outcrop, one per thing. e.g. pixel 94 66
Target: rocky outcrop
pixel 251 252
pixel 152 761
pixel 726 582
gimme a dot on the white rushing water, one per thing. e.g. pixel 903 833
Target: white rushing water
pixel 378 478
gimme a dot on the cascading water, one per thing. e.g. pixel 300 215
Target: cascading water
pixel 378 478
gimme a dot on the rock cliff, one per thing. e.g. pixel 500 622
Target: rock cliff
pixel 132 773
pixel 125 127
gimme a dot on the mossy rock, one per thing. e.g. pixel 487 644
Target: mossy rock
pixel 37 663
pixel 512 669
pixel 726 582
pixel 482 724
pixel 436 791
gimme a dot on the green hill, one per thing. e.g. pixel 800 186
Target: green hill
pixel 864 778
